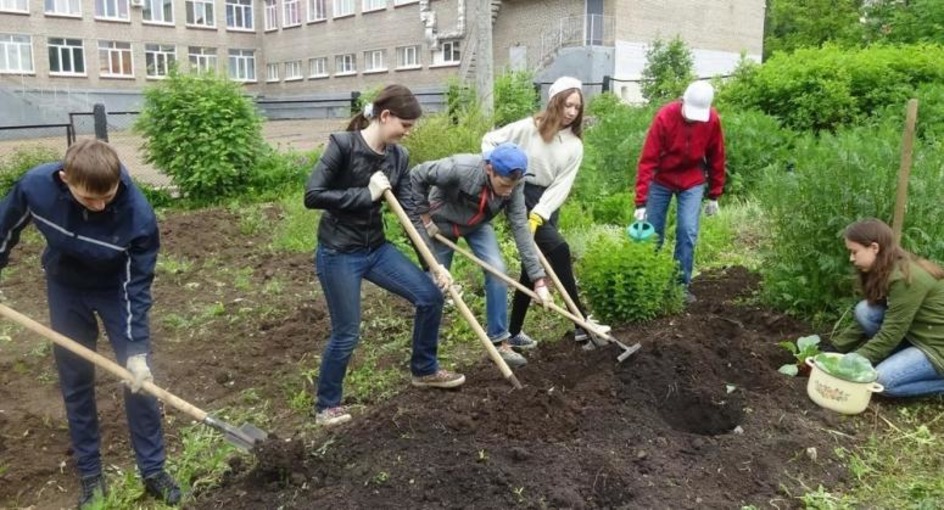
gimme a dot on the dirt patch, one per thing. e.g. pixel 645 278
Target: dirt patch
pixel 698 418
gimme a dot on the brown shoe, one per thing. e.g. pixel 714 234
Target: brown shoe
pixel 440 379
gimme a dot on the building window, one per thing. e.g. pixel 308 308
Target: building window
pixel 291 14
pixel 114 58
pixel 158 11
pixel 239 14
pixel 408 56
pixel 64 7
pixel 16 54
pixel 318 67
pixel 202 59
pixel 343 8
pixel 242 65
pixel 66 56
pixel 293 70
pixel 272 72
pixel 271 15
pixel 112 9
pixel 200 13
pixel 448 53
pixel 345 64
pixel 158 59
pixel 373 5
pixel 317 10
pixel 374 60
pixel 14 5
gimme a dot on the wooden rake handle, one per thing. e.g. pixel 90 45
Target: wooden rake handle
pixel 433 263
pixel 101 361
pixel 560 287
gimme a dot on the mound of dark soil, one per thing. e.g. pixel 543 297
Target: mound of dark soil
pixel 698 418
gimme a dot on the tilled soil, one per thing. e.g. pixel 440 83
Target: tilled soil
pixel 698 418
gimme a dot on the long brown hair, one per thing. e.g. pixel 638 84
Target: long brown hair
pixel 549 120
pixel 398 99
pixel 875 282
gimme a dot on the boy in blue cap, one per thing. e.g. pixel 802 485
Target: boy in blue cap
pixel 101 248
pixel 457 197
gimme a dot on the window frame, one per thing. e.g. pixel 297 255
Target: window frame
pixel 336 11
pixel 247 13
pixel 313 10
pixel 54 12
pixel 15 8
pixel 324 67
pixel 160 54
pixel 241 59
pixel 190 7
pixel 73 50
pixel 203 58
pixel 367 6
pixel 401 51
pixel 110 52
pixel 297 19
pixel 149 6
pixel 297 65
pixel 104 16
pixel 344 58
pixel 370 60
pixel 270 15
pixel 7 47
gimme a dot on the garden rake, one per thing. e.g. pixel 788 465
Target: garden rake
pixel 244 437
pixel 453 292
pixel 574 316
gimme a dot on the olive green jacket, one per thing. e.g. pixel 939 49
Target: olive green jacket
pixel 915 313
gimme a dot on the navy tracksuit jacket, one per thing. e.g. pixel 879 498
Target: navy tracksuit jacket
pixel 95 263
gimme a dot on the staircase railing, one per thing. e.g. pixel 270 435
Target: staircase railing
pixel 580 30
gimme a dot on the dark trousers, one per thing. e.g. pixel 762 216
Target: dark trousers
pixel 555 248
pixel 72 313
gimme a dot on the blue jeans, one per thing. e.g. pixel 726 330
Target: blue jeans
pixel 72 312
pixel 686 225
pixel 484 244
pixel 907 372
pixel 340 274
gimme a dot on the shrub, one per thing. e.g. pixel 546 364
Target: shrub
pixel 17 163
pixel 202 132
pixel 627 281
pixel 840 178
pixel 437 136
pixel 669 69
pixel 515 97
pixel 753 141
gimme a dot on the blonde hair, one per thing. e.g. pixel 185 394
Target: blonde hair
pixel 93 165
pixel 549 120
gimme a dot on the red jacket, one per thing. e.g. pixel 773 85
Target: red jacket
pixel 677 154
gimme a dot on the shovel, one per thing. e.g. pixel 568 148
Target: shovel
pixel 574 317
pixel 244 437
pixel 456 297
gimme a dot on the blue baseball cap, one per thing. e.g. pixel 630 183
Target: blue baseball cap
pixel 508 160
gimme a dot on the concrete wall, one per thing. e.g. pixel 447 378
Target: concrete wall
pixel 521 23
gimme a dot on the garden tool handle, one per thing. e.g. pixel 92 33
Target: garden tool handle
pixel 101 361
pixel 432 262
pixel 560 287
pixel 575 318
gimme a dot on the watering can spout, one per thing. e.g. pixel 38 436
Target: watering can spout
pixel 640 231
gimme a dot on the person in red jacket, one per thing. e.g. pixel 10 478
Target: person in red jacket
pixel 685 142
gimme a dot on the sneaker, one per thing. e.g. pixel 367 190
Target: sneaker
pixel 163 487
pixel 93 490
pixel 582 335
pixel 511 357
pixel 440 379
pixel 333 416
pixel 522 342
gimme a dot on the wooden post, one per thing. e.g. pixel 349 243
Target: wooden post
pixel 904 171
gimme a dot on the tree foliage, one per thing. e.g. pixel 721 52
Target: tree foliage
pixel 794 24
pixel 669 69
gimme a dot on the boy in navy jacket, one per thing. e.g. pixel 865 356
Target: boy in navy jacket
pixel 101 248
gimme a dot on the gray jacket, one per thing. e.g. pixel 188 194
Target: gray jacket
pixel 457 194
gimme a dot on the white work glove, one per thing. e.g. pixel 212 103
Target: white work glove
pixel 138 367
pixel 639 214
pixel 377 185
pixel 544 295
pixel 431 229
pixel 442 277
pixel 711 208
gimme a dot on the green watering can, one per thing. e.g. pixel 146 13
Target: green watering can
pixel 640 231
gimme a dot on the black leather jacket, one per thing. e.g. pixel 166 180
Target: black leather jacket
pixel 338 184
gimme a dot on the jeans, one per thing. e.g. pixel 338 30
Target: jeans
pixel 72 313
pixel 484 244
pixel 907 372
pixel 686 226
pixel 340 274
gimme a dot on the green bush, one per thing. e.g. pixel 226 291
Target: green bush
pixel 201 130
pixel 627 281
pixel 840 178
pixel 437 136
pixel 515 97
pixel 825 88
pixel 17 163
pixel 669 69
pixel 753 141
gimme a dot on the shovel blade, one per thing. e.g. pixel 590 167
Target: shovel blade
pixel 245 437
